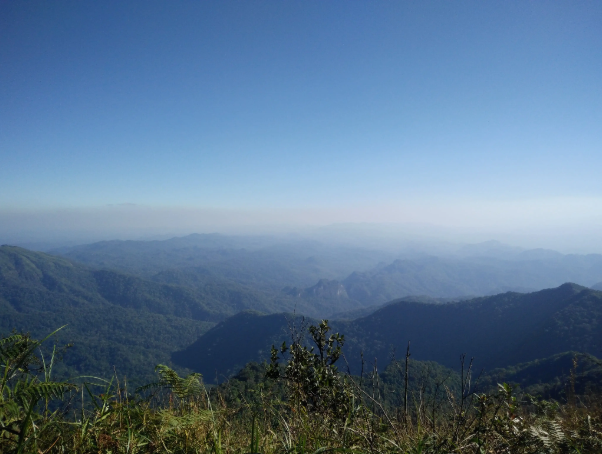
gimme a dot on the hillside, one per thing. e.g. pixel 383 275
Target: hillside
pixel 37 281
pixel 111 318
pixel 498 331
pixel 116 315
pixel 112 315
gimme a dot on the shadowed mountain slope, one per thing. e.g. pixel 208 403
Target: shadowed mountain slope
pixel 498 331
pixel 231 344
pixel 551 377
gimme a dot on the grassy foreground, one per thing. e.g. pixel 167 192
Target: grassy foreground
pixel 303 404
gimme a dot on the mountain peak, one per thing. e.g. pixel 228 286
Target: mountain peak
pixel 571 287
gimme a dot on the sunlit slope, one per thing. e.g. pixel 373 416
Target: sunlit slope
pixel 37 281
pixel 26 272
pixel 111 321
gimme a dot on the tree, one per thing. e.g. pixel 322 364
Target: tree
pixel 313 380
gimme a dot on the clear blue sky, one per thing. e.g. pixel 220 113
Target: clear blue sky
pixel 299 105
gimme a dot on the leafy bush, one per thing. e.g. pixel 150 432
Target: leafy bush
pixel 313 380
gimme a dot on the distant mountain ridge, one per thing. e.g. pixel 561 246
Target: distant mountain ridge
pixel 490 248
pixel 450 278
pixel 365 311
pixel 262 262
pixel 218 278
pixel 442 277
pixel 303 268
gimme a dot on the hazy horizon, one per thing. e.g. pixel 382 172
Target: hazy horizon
pixel 432 120
pixel 57 228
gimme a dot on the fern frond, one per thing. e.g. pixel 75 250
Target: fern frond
pixel 548 432
pixel 181 387
pixel 13 338
pixel 34 390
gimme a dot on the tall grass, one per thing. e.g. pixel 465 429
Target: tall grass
pixel 333 413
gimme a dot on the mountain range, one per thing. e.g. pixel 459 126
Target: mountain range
pixel 212 303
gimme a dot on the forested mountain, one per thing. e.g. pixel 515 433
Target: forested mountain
pixel 498 331
pixel 38 281
pixel 112 319
pixel 189 293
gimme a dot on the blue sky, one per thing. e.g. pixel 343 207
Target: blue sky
pixel 402 107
